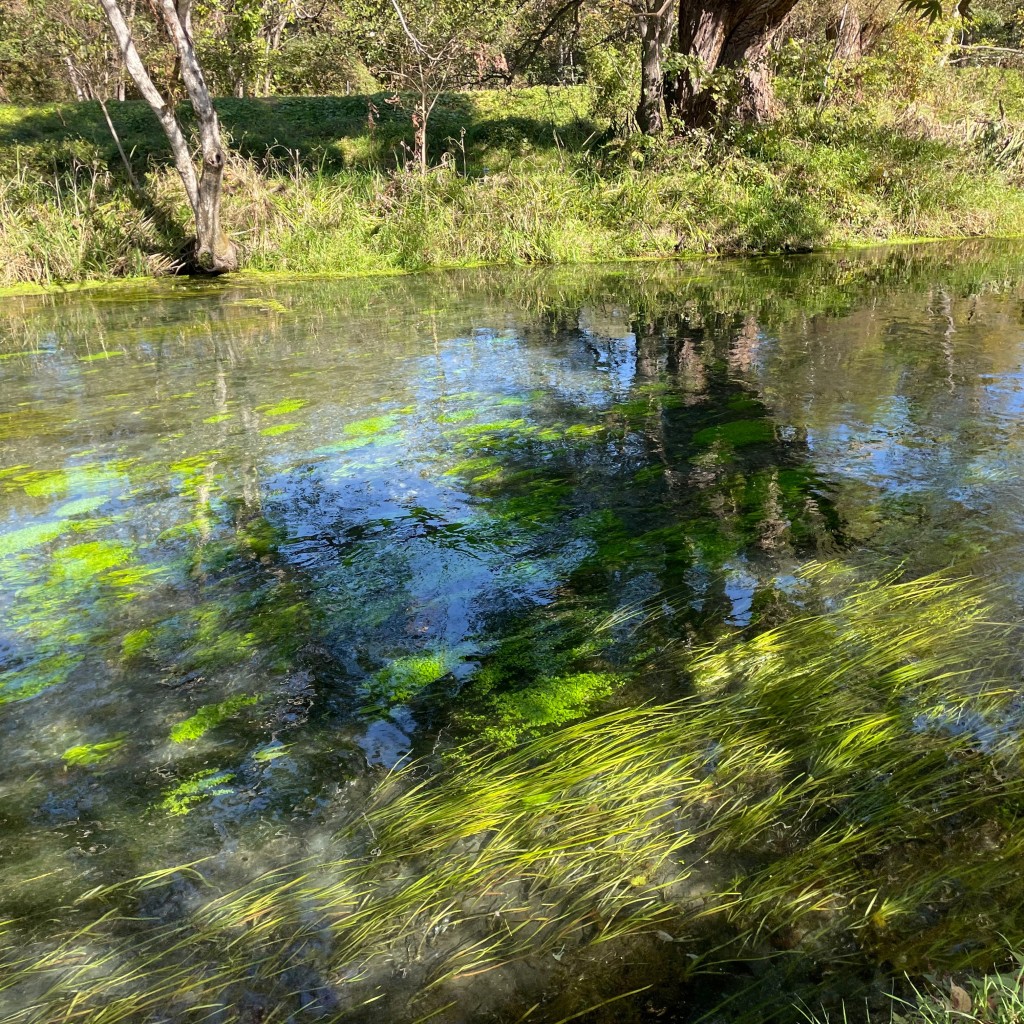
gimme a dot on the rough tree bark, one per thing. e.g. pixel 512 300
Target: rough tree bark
pixel 853 34
pixel 214 251
pixel 845 32
pixel 656 19
pixel 719 34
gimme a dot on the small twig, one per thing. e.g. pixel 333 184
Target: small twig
pixel 117 142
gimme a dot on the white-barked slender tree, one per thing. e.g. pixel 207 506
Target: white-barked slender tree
pixel 214 251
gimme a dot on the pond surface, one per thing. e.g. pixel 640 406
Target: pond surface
pixel 261 543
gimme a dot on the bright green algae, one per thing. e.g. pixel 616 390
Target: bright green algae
pixel 251 562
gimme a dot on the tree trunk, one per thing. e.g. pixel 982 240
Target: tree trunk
pixel 657 20
pixel 214 251
pixel 273 35
pixel 718 34
pixel 79 84
pixel 957 15
pixel 845 32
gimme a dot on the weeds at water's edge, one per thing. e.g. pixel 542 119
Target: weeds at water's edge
pixel 846 785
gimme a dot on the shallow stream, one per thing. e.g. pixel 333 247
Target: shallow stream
pixel 263 543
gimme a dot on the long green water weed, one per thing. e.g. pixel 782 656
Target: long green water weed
pixel 844 773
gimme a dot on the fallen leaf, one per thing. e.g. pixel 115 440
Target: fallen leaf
pixel 959 1000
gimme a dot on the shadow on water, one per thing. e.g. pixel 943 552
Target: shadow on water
pixel 264 544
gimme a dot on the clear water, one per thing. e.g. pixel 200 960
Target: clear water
pixel 262 542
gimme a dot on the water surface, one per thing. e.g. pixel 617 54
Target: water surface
pixel 261 543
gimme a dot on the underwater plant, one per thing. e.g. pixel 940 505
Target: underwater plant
pixel 854 771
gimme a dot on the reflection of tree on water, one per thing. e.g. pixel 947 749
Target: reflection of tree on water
pixel 688 501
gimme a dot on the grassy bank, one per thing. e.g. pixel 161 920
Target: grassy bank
pixel 530 176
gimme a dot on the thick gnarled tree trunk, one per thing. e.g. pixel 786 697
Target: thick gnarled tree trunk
pixel 214 251
pixel 656 22
pixel 718 34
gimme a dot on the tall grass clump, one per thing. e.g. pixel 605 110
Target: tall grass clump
pixel 78 223
pixel 847 785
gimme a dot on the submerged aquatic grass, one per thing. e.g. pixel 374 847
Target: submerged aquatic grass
pixel 852 775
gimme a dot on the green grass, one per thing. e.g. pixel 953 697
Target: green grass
pixel 528 176
pixel 847 774
pixel 993 998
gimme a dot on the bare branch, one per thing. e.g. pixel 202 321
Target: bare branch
pixel 152 95
pixel 417 45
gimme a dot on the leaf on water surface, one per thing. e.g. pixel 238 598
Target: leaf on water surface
pixel 280 428
pixel 219 418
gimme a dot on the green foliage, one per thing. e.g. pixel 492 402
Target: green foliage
pixel 737 434
pixel 26 537
pixel 404 678
pixel 996 997
pixel 826 758
pixel 80 562
pixel 195 790
pixel 534 184
pixel 137 642
pixel 545 703
pixel 371 426
pixel 209 717
pixel 91 753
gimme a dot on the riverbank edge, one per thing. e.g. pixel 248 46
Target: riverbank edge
pixel 244 277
